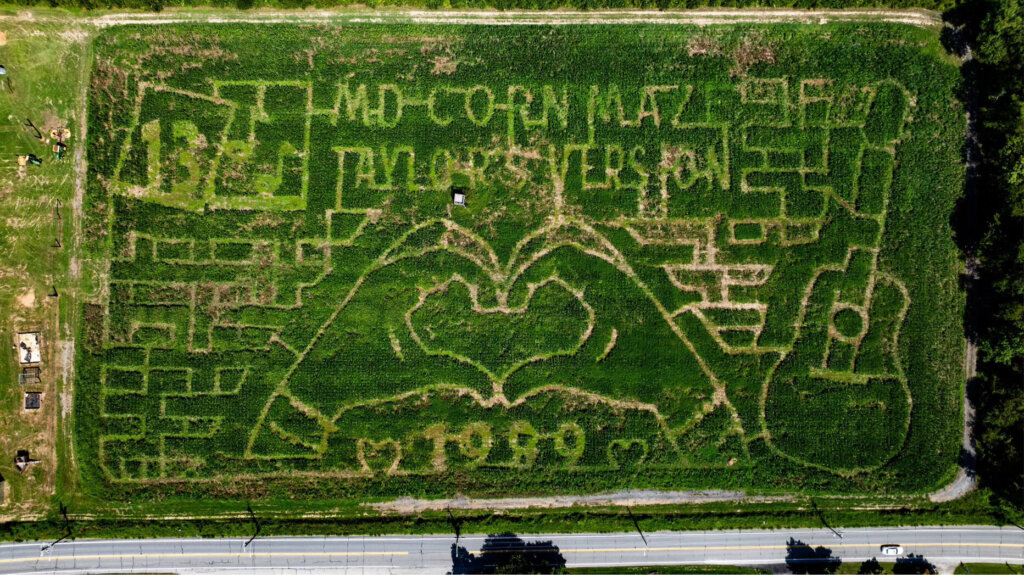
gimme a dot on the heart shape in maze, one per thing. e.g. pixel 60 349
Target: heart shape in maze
pixel 554 320
pixel 377 456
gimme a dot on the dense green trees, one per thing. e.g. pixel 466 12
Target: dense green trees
pixel 993 233
pixel 499 4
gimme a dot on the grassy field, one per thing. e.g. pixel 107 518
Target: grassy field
pixel 47 66
pixel 885 568
pixel 989 569
pixel 231 519
pixel 667 569
pixel 690 258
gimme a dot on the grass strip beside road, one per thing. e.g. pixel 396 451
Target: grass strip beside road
pixel 988 569
pixel 666 570
pixel 972 510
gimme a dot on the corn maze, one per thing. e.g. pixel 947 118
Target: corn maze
pixel 676 267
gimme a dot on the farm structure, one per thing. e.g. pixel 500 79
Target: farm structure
pixel 33 400
pixel 29 375
pixel 22 460
pixel 28 348
pixel 434 267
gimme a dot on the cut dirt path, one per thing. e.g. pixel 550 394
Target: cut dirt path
pixel 408 505
pixel 966 479
pixel 922 18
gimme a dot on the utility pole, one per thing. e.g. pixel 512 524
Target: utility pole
pixel 456 526
pixel 255 521
pixel 637 525
pixel 821 517
pixel 60 224
pixel 67 529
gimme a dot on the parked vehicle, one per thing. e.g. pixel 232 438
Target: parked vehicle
pixel 892 550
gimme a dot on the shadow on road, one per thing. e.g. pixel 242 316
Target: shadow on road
pixel 507 553
pixel 870 567
pixel 913 564
pixel 803 559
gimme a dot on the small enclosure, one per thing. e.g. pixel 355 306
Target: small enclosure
pixel 33 400
pixel 29 376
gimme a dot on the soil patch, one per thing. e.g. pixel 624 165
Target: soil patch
pixel 27 299
pixel 625 498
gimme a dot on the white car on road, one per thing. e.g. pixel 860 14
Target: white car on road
pixel 892 550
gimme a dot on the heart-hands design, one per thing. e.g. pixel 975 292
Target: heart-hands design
pixel 554 320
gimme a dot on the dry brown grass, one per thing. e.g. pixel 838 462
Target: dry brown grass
pixel 444 65
pixel 703 46
pixel 750 51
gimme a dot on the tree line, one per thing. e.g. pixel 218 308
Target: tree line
pixel 938 5
pixel 990 229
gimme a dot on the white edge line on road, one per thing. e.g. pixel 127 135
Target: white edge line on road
pixel 544 536
pixel 394 568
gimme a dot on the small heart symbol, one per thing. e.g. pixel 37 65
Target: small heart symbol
pixel 448 320
pixel 377 456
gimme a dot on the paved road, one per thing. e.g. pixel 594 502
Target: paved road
pixel 942 546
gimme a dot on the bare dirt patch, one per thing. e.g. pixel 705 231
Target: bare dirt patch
pixel 27 299
pixel 74 35
pixel 444 65
pixel 752 50
pixel 408 505
pixel 704 46
pixel 566 17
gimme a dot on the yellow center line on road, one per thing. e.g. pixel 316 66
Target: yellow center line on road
pixel 209 555
pixel 323 554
